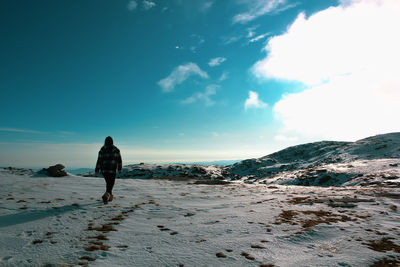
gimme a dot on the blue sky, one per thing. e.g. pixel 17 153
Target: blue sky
pixel 169 80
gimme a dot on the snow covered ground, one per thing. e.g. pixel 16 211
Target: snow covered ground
pixel 157 222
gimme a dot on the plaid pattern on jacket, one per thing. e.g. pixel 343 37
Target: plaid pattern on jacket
pixel 109 160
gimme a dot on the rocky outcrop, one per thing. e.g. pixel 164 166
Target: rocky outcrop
pixel 55 171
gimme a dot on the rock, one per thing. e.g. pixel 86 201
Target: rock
pixel 56 170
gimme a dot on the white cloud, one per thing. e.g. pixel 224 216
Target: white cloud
pixel 259 8
pixel 253 101
pixel 348 57
pixel 203 96
pixel 15 130
pixel 132 5
pixel 251 31
pixel 223 76
pixel 181 74
pixel 258 38
pixel 216 61
pixel 231 39
pixel 148 4
pixel 206 6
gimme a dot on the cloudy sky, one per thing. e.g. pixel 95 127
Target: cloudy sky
pixel 201 80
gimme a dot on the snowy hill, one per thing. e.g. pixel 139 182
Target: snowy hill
pixel 372 160
pixel 176 171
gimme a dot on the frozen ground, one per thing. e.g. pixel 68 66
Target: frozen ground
pixel 60 221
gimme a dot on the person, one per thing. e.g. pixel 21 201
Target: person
pixel 108 162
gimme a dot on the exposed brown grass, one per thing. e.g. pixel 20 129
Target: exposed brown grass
pixel 87 258
pixel 118 218
pixel 220 255
pixel 257 246
pixel 386 263
pixel 383 245
pixel 317 217
pixel 104 228
pixel 247 256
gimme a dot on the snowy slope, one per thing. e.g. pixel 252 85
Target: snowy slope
pixel 370 161
pixel 61 222
pixel 373 160
pixel 146 171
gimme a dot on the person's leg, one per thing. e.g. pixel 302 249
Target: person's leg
pixel 110 182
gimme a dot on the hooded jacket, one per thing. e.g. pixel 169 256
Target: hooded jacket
pixel 109 160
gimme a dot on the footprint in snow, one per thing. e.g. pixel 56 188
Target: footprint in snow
pixel 87 258
pixel 247 256
pixel 257 246
pixel 220 255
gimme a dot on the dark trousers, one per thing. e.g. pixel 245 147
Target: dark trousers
pixel 110 180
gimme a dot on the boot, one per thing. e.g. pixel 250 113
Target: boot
pixel 106 197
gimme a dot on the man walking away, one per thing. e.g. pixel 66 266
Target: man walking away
pixel 108 162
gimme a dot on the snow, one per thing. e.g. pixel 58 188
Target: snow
pixel 319 204
pixel 170 222
pixel 373 160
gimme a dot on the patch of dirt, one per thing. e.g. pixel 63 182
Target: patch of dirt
pixel 383 245
pixel 386 263
pixel 212 182
pixel 104 228
pixel 220 255
pixel 92 248
pixel 247 256
pixel 388 195
pixel 118 218
pixel 286 216
pixel 87 258
pixel 257 246
pixel 299 200
pixel 317 217
pixel 97 243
